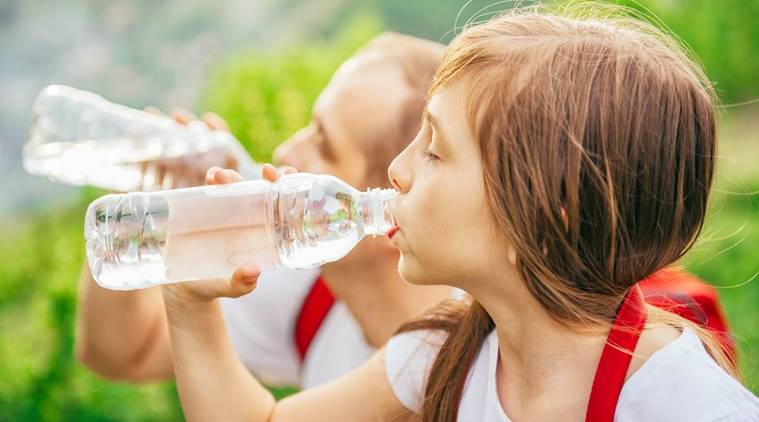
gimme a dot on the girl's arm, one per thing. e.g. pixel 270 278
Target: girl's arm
pixel 214 385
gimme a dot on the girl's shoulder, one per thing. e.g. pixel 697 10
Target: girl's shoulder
pixel 408 359
pixel 681 381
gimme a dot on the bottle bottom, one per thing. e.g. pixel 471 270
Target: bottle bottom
pixel 103 164
pixel 131 277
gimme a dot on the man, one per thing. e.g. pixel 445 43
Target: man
pixel 300 327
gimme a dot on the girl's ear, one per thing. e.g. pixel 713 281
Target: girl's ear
pixel 511 254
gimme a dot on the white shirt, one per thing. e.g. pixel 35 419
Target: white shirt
pixel 261 326
pixel 680 382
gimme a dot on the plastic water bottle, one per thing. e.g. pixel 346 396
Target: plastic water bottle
pixel 79 138
pixel 302 220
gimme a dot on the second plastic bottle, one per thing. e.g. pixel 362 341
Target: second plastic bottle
pixel 138 240
pixel 79 138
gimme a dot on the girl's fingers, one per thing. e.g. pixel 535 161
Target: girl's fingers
pixel 227 176
pixel 268 172
pixel 243 281
pixel 211 175
pixel 220 176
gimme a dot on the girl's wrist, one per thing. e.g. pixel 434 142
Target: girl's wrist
pixel 186 309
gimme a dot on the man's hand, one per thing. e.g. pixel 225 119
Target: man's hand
pixel 188 170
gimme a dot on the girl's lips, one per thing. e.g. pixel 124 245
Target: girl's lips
pixel 392 232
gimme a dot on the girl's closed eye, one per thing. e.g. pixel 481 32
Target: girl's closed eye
pixel 430 156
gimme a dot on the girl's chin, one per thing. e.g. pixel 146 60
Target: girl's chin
pixel 405 269
pixel 412 272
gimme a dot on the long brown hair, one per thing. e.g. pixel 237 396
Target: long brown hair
pixel 597 137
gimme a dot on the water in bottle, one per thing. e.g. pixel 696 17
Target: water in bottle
pixel 79 138
pixel 142 239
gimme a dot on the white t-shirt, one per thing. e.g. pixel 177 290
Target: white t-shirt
pixel 261 326
pixel 680 382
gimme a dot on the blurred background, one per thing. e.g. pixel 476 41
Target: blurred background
pixel 260 65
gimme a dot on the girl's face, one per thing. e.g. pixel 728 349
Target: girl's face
pixel 446 233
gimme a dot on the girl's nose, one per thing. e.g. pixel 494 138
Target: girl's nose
pixel 400 173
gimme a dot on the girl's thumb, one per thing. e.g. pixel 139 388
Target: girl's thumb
pixel 244 281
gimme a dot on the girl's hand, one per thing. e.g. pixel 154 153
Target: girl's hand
pixel 219 176
pixel 243 281
pixel 244 278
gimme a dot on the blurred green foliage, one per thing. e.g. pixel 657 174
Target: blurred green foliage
pixel 265 97
pixel 723 34
pixel 40 380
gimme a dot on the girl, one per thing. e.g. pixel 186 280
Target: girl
pixel 561 159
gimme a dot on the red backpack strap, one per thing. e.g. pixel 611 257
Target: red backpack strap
pixel 616 356
pixel 314 310
pixel 676 291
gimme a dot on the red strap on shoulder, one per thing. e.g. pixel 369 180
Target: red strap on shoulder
pixel 616 357
pixel 314 310
pixel 684 294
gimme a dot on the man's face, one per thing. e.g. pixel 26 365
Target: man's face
pixel 358 108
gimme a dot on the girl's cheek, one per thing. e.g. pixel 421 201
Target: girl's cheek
pixel 431 208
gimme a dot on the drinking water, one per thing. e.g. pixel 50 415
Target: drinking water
pixel 138 239
pixel 79 138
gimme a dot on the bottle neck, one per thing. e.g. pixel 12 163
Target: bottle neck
pixel 374 206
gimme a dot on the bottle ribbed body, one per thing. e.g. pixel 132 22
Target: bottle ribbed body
pixel 139 240
pixel 79 138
